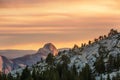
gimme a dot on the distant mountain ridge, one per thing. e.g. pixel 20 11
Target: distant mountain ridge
pixel 11 53
pixel 7 65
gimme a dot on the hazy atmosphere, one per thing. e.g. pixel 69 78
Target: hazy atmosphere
pixel 29 24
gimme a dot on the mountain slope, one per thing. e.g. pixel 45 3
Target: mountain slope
pixel 34 58
pixel 7 65
pixel 92 54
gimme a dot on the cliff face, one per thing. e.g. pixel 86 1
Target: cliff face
pixel 48 48
pixel 7 65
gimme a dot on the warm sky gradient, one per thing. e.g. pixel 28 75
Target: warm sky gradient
pixel 29 24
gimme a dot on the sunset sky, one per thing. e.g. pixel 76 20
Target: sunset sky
pixel 29 24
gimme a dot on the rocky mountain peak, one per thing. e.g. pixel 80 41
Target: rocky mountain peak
pixel 49 48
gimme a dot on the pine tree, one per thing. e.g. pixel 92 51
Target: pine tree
pixel 101 77
pixel 75 47
pixel 74 69
pixel 66 61
pixel 86 73
pixel 10 77
pixel 26 75
pixel 108 77
pixel 118 62
pixel 50 59
pixel 99 65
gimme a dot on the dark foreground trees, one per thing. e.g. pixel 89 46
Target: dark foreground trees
pixel 61 71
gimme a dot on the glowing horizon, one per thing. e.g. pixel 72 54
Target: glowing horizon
pixel 29 24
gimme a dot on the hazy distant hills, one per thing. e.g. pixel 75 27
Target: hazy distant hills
pixel 34 58
pixel 15 53
pixel 30 57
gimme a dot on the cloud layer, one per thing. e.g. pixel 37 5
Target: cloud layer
pixel 28 24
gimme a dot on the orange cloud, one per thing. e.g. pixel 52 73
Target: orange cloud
pixel 23 23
